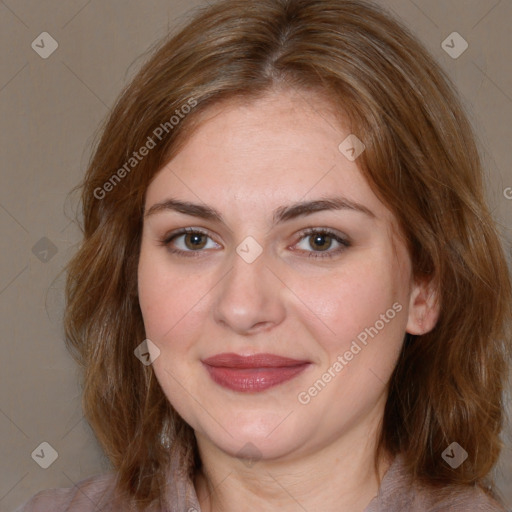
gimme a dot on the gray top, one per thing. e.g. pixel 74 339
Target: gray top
pixel 396 494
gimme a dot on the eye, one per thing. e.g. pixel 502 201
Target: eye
pixel 321 241
pixel 318 243
pixel 188 240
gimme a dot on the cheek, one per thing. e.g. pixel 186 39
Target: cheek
pixel 363 306
pixel 169 302
pixel 351 298
pixel 173 303
pixel 162 298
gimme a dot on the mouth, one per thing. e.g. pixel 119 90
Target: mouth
pixel 252 373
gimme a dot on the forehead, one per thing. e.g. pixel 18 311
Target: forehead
pixel 265 152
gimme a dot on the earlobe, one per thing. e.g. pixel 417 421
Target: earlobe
pixel 423 308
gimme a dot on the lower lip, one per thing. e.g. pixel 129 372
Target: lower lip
pixel 253 379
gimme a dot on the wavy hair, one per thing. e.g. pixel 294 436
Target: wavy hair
pixel 421 160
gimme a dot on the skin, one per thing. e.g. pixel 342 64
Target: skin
pixel 246 159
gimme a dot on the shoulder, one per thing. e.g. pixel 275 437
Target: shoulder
pixel 89 495
pixel 455 499
pixel 400 493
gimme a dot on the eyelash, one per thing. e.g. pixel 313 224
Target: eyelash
pixel 303 234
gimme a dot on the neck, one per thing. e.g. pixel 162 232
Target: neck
pixel 340 477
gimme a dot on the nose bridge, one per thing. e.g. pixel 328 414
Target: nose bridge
pixel 249 295
pixel 243 282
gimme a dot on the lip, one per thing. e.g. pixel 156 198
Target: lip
pixel 252 373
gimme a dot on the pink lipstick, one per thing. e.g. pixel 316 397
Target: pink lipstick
pixel 252 373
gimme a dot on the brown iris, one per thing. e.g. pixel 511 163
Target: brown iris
pixel 320 241
pixel 195 241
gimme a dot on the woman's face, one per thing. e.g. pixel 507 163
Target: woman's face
pixel 289 253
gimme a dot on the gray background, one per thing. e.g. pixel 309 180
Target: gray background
pixel 49 111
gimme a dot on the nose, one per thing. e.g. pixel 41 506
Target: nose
pixel 250 298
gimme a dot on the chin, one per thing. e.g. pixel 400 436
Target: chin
pixel 256 436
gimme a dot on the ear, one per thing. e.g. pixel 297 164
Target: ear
pixel 423 308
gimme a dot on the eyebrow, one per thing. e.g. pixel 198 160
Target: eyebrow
pixel 281 214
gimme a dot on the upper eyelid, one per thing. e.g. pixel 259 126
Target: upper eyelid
pixel 184 231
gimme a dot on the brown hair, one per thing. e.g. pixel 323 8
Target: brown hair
pixel 422 162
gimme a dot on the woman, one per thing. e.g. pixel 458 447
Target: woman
pixel 290 294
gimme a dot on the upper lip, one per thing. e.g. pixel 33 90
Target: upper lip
pixel 230 360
